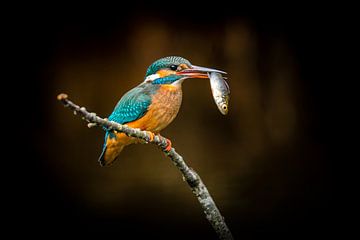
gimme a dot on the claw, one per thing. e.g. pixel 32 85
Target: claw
pixel 168 147
pixel 151 136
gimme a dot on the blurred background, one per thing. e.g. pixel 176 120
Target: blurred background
pixel 265 163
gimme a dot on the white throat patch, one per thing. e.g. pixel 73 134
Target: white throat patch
pixel 152 77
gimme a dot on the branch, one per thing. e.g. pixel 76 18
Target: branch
pixel 199 189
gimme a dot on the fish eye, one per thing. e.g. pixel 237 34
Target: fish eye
pixel 224 107
pixel 173 67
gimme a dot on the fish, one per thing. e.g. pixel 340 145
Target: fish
pixel 221 91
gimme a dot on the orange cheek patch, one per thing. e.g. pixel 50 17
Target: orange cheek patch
pixel 183 66
pixel 165 72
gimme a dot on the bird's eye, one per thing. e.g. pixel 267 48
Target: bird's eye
pixel 173 67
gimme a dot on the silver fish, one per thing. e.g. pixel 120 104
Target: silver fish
pixel 220 91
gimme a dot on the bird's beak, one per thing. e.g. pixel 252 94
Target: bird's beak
pixel 198 72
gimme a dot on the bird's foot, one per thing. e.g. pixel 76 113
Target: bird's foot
pixel 168 146
pixel 151 136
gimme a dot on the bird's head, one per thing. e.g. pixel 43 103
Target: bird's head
pixel 173 70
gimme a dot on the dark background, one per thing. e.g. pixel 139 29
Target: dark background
pixel 266 163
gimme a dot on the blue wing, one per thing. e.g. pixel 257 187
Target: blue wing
pixel 134 104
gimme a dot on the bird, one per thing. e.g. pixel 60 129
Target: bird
pixel 152 105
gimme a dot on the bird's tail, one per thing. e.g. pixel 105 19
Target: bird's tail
pixel 114 144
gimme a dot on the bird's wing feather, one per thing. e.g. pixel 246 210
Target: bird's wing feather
pixel 133 105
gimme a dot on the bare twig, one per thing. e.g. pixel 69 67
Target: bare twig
pixel 192 178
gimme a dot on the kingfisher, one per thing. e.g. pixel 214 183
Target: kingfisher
pixel 152 105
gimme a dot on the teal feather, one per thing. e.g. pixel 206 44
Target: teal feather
pixel 167 80
pixel 134 104
pixel 165 62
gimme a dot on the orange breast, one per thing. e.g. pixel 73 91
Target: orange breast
pixel 162 111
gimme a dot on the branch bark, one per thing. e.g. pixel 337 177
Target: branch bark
pixel 197 186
